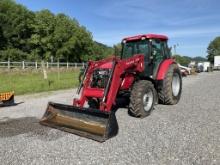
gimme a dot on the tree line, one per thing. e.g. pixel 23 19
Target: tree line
pixel 42 35
pixel 185 60
pixel 213 49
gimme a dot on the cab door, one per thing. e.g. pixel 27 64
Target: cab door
pixel 156 54
pixel 159 52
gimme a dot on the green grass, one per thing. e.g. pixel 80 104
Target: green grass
pixel 23 82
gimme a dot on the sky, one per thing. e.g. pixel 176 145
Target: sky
pixel 189 24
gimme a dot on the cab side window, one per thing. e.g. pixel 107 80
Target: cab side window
pixel 156 47
pixel 165 49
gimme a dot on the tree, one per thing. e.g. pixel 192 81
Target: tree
pixel 83 45
pixel 12 54
pixel 27 35
pixel 64 37
pixel 41 38
pixel 15 25
pixel 101 51
pixel 199 59
pixel 213 49
pixel 182 60
pixel 117 49
pixel 3 40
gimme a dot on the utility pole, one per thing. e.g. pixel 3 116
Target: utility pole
pixel 174 48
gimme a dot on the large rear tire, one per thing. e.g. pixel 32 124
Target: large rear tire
pixel 142 99
pixel 171 90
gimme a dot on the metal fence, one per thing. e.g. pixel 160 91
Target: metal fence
pixel 37 65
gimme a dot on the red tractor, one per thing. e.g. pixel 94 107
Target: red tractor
pixel 145 71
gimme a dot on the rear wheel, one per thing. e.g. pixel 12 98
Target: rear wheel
pixel 142 99
pixel 172 86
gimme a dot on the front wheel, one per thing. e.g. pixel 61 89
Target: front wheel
pixel 171 90
pixel 142 99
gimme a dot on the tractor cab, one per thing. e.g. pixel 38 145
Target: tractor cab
pixel 154 47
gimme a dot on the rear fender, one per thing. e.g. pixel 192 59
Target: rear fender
pixel 163 68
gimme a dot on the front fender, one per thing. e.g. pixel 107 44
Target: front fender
pixel 163 68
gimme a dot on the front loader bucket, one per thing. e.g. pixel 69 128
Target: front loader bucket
pixel 86 122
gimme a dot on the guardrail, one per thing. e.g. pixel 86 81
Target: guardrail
pixel 37 65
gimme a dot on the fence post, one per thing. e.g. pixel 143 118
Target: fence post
pixel 47 65
pixel 8 64
pixel 58 64
pixel 75 65
pixel 36 64
pixel 67 65
pixel 83 65
pixel 23 66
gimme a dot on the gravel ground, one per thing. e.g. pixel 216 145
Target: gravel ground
pixel 186 133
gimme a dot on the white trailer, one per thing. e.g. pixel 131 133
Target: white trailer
pixel 205 66
pixel 200 66
pixel 217 62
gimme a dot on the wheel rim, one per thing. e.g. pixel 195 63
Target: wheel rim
pixel 148 100
pixel 176 84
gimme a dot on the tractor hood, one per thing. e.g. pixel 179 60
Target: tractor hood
pixel 107 65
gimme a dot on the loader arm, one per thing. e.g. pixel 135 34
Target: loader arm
pixel 118 68
pixel 85 89
pixel 134 64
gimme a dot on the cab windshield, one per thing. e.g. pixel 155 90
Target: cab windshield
pixel 131 48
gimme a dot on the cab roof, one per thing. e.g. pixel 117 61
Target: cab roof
pixel 153 36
